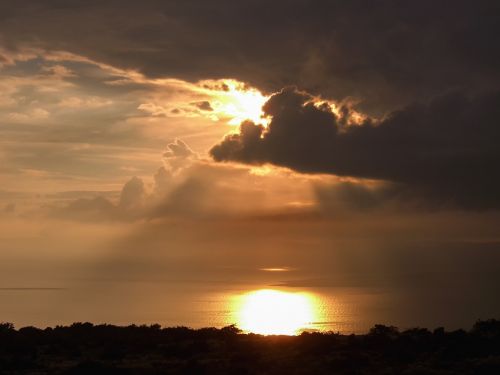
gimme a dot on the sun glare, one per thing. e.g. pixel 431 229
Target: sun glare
pixel 238 102
pixel 273 312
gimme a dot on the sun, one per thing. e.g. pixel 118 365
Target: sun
pixel 237 101
pixel 273 312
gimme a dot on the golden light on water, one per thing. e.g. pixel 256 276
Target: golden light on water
pixel 274 312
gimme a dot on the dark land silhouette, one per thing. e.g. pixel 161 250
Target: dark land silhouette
pixel 84 348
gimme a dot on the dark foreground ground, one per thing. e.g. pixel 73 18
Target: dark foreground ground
pixel 104 349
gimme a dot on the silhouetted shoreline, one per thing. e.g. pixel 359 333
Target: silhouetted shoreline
pixel 84 348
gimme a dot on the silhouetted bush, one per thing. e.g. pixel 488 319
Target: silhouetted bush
pixel 84 348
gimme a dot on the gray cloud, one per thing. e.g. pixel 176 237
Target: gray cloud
pixel 446 150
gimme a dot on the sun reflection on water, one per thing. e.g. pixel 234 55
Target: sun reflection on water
pixel 274 312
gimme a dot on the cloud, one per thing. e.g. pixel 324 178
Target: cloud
pixel 87 209
pixel 178 155
pixel 9 208
pixel 387 52
pixel 133 193
pixel 188 187
pixel 65 114
pixel 162 181
pixel 446 150
pixel 91 102
pixel 348 196
pixel 203 105
pixel 130 206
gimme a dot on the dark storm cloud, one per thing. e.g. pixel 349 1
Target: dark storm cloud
pixel 386 53
pixel 447 149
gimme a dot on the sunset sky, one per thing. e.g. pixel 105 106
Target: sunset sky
pixel 156 155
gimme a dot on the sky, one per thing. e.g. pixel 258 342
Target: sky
pixel 327 145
